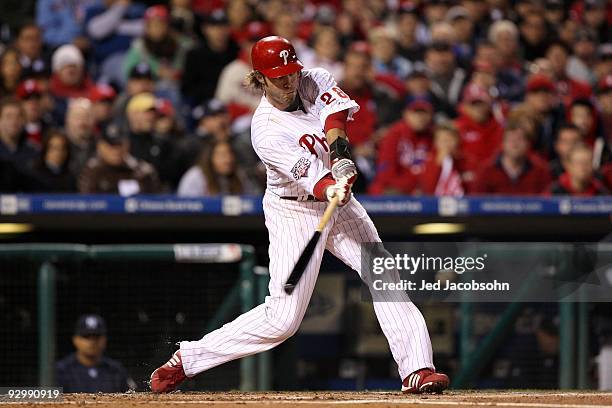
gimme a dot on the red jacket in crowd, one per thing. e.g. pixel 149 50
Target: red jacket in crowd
pixel 479 141
pixel 606 175
pixel 570 89
pixel 563 186
pixel 61 90
pixel 443 179
pixel 493 179
pixel 364 122
pixel 401 157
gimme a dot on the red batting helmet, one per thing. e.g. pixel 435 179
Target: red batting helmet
pixel 275 57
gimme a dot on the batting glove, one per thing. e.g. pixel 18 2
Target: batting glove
pixel 344 168
pixel 342 189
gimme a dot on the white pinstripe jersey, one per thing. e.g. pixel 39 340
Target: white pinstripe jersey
pixel 292 145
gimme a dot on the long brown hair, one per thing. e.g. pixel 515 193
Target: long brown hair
pixel 212 178
pixel 46 141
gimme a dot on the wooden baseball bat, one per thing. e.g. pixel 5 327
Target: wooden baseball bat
pixel 302 262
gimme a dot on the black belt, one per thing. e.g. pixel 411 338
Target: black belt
pixel 300 198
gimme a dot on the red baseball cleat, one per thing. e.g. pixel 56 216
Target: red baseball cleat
pixel 425 380
pixel 169 376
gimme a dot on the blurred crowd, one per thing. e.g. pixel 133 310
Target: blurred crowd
pixel 457 97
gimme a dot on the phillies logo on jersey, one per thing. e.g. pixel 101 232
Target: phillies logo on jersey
pixel 284 54
pixel 310 142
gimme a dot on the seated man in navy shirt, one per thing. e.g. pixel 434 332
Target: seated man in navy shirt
pixel 87 370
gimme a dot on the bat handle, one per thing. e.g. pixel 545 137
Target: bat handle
pixel 289 287
pixel 329 211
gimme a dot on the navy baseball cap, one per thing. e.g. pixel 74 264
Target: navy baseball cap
pixel 209 108
pixel 114 136
pixel 142 70
pixel 90 325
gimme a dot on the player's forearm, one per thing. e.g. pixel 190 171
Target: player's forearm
pixel 333 134
pixel 336 136
pixel 335 125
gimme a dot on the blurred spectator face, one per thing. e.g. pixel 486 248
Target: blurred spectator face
pixel 487 53
pixel 418 119
pixel 326 44
pixel 581 117
pixel 603 66
pixel 516 144
pixel 417 85
pixel 567 139
pixel 463 28
pixel 435 12
pixel 113 154
pixel 446 141
pixel 102 111
pixel 217 35
pixel 32 108
pixel 141 121
pixel 164 124
pixel 10 66
pixel 238 12
pixel 11 122
pixel 285 26
pixel 70 74
pixel 594 16
pixel 356 69
pixel 223 160
pixel 79 121
pixel 443 33
pixel 540 101
pixel 533 28
pixel 477 9
pixel 29 42
pixel 217 125
pixel 478 111
pixel 183 4
pixel 156 28
pixel 270 10
pixel 91 346
pixel 441 62
pixel 524 8
pixel 407 24
pixel 507 43
pixel 567 31
pixel 579 165
pixel 605 102
pixel 165 121
pixel 139 85
pixel 584 49
pixel 484 79
pixel 384 49
pixel 553 13
pixel 56 150
pixel 355 8
pixel 377 8
pixel 557 55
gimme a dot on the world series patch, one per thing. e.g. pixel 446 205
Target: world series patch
pixel 300 169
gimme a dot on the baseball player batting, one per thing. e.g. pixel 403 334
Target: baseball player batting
pixel 298 133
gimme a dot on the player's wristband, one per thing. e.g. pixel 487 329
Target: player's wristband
pixel 319 188
pixel 339 149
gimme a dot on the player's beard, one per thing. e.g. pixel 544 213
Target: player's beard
pixel 283 100
pixel 281 97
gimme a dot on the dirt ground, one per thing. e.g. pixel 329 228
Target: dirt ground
pixel 526 398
